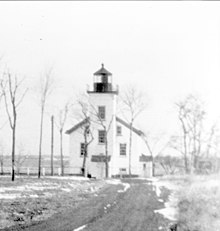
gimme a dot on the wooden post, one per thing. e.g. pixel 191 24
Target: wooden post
pixel 43 171
pixel 52 140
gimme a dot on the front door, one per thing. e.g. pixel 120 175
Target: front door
pixel 147 169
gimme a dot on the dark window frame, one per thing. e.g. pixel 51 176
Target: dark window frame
pixel 82 149
pixel 119 130
pixel 123 149
pixel 101 136
pixel 102 112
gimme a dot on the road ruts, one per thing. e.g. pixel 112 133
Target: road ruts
pixel 110 210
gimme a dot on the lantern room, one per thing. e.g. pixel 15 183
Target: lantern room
pixel 102 81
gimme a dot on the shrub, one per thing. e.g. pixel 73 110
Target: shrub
pixel 199 205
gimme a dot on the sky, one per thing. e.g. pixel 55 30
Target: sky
pixel 167 49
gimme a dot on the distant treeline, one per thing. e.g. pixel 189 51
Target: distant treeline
pixel 175 165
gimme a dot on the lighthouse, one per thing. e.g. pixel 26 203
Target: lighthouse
pixel 107 154
pixel 103 105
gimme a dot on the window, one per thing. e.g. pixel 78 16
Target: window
pixel 101 137
pixel 122 149
pixel 118 130
pixel 82 149
pixel 122 170
pixel 101 111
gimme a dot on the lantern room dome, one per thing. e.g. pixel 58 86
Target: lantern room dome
pixel 102 71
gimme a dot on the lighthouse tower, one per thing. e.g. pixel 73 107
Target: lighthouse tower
pixel 103 102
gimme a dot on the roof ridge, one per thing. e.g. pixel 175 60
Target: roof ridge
pixel 137 131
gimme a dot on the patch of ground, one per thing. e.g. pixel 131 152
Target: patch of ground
pixel 170 191
pixel 71 205
pixel 125 205
pixel 199 204
pixel 29 199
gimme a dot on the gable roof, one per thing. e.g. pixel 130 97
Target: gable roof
pixel 80 124
pixel 74 128
pixel 144 158
pixel 135 130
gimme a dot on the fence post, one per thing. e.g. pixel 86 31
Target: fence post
pixel 59 171
pixel 43 171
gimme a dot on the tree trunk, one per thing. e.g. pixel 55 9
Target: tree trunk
pixel 13 152
pixel 185 146
pixel 85 153
pixel 61 152
pixel 2 170
pixel 130 146
pixel 151 153
pixel 40 143
pixel 153 167
pixel 185 155
pixel 52 135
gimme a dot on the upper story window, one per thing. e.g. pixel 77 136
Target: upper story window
pixel 101 111
pixel 82 149
pixel 101 137
pixel 123 149
pixel 119 131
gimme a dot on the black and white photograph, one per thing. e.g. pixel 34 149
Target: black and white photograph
pixel 109 115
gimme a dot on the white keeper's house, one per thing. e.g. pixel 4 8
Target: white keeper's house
pixel 103 98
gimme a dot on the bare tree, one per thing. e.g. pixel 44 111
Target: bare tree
pixel 134 103
pixel 62 117
pixel 13 97
pixel 2 158
pixel 45 89
pixel 52 144
pixel 170 164
pixel 211 151
pixel 191 116
pixel 21 157
pixel 81 113
pixel 1 146
pixel 1 91
pixel 211 139
pixel 86 130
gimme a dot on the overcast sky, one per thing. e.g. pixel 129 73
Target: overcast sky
pixel 168 49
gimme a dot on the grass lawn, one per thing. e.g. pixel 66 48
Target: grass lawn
pixel 199 204
pixel 30 199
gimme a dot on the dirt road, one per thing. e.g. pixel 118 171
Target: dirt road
pixel 118 207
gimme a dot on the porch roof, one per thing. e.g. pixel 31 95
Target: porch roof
pixel 99 158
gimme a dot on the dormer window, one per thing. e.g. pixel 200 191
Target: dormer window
pixel 101 111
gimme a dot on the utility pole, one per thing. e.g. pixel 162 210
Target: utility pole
pixel 52 139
